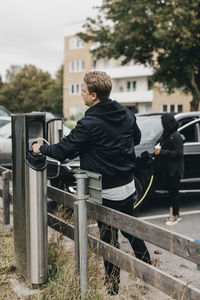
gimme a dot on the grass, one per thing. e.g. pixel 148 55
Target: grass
pixel 7 268
pixel 63 282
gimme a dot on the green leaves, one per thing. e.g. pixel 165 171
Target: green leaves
pixel 162 33
pixel 30 89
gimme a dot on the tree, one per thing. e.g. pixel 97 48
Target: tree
pixel 25 90
pixel 162 33
pixel 55 93
pixel 1 83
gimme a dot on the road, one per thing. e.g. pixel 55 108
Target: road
pixel 189 226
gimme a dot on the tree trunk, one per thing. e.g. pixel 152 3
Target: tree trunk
pixel 194 104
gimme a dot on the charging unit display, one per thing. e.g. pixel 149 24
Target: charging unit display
pixel 29 198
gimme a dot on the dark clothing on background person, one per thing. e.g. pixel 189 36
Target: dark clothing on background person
pixel 109 235
pixel 104 139
pixel 171 159
pixel 173 187
pixel 171 154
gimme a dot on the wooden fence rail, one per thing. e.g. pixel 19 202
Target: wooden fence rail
pixel 182 246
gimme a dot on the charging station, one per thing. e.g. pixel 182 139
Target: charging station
pixel 29 198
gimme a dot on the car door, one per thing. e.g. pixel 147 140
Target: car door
pixel 191 132
pixel 5 144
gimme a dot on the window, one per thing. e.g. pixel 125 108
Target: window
pixel 77 66
pixel 171 108
pixel 180 107
pixel 190 134
pixel 76 43
pixel 185 121
pixel 131 86
pixel 164 108
pixel 149 84
pixel 75 89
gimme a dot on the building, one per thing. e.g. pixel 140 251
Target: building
pixel 176 102
pixel 132 85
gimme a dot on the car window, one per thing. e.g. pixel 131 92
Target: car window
pixel 4 113
pixel 3 122
pixel 5 131
pixel 150 127
pixel 191 133
pixel 184 121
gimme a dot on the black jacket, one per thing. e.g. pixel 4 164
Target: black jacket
pixel 104 139
pixel 171 142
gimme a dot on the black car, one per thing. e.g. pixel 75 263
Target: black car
pixel 151 128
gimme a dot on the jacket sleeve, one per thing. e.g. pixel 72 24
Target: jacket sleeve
pixel 177 151
pixel 70 146
pixel 136 134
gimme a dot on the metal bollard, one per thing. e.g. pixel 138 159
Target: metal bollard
pixel 82 231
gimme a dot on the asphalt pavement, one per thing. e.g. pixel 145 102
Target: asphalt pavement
pixel 189 226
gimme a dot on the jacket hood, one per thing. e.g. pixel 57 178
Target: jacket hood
pixel 169 124
pixel 109 110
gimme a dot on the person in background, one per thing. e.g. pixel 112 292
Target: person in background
pixel 105 139
pixel 170 152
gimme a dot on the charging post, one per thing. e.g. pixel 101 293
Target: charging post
pixel 29 198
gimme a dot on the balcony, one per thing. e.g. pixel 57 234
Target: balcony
pixel 128 71
pixel 133 97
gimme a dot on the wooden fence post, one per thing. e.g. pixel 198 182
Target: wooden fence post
pixel 6 201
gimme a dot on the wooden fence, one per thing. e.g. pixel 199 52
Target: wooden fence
pixel 184 247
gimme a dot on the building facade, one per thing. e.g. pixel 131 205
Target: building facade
pixel 132 85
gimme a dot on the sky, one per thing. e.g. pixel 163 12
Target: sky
pixel 32 31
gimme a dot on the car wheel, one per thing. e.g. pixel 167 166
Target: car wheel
pixel 138 195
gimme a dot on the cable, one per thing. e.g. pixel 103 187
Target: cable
pixel 150 183
pixel 40 138
pixel 143 197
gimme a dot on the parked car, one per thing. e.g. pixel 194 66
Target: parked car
pixel 4 112
pixel 151 128
pixel 6 141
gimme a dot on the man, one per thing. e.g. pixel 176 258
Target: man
pixel 104 139
pixel 170 153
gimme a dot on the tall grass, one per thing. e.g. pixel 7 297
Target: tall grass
pixel 63 281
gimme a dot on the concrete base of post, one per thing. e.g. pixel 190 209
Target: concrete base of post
pixel 6 228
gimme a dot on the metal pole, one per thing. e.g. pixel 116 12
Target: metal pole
pixel 82 223
pixel 76 238
pixel 6 201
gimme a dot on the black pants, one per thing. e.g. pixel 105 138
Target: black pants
pixel 173 185
pixel 109 235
